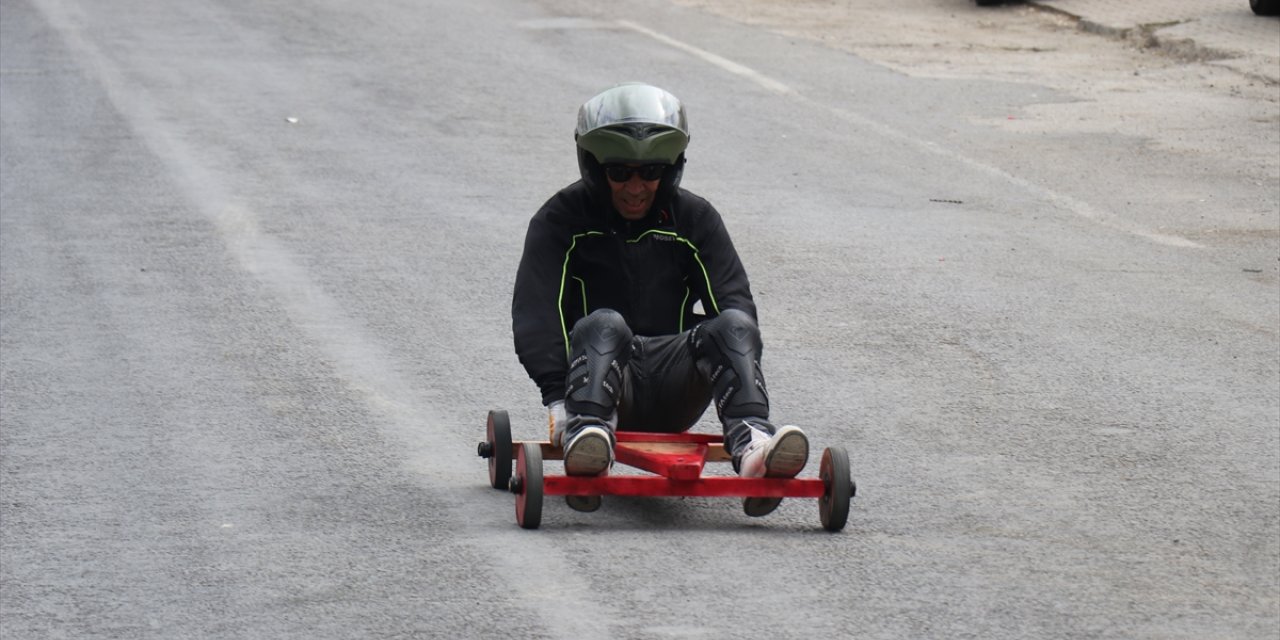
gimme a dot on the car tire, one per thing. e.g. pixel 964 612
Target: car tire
pixel 1265 7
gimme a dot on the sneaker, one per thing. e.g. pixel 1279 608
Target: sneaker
pixel 589 453
pixel 781 456
pixel 585 504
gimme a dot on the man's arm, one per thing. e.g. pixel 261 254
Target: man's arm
pixel 536 319
pixel 724 273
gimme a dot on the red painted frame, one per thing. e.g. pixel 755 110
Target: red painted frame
pixel 676 461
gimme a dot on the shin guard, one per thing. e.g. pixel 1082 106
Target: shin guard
pixel 728 349
pixel 600 347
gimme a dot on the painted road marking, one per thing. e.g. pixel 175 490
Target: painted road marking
pixel 1075 205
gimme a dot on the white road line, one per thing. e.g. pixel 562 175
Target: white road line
pixel 1075 205
pixel 723 63
pixel 539 576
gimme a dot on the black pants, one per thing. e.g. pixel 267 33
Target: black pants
pixel 664 383
pixel 662 389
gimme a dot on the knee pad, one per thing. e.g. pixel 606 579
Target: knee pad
pixel 600 346
pixel 728 349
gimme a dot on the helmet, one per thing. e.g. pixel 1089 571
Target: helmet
pixel 632 123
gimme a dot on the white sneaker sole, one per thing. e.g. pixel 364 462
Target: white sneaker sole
pixel 588 454
pixel 789 455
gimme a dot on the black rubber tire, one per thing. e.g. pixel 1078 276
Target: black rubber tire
pixel 498 434
pixel 528 485
pixel 1265 7
pixel 833 506
pixel 987 3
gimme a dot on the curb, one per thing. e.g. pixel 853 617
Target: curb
pixel 1144 36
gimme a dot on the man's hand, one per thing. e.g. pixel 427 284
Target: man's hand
pixel 556 419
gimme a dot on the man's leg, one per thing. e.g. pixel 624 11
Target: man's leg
pixel 728 349
pixel 663 390
pixel 599 347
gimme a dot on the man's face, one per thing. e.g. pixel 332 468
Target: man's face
pixel 633 195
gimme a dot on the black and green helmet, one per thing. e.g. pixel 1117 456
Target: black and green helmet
pixel 632 123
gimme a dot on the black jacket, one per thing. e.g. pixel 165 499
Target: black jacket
pixel 580 256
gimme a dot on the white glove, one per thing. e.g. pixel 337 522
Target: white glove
pixel 556 421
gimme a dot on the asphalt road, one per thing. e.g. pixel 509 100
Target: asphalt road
pixel 255 271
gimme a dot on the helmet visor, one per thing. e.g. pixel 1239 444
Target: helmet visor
pixel 632 104
pixel 633 123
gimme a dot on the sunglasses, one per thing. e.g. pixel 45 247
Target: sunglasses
pixel 623 173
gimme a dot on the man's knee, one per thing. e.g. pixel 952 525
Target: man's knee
pixel 728 348
pixel 603 331
pixel 733 331
pixel 600 347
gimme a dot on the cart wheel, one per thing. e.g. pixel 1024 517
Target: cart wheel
pixel 833 506
pixel 497 448
pixel 527 485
